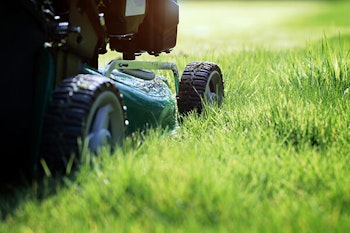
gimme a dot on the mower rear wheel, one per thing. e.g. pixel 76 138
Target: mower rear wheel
pixel 86 112
pixel 201 83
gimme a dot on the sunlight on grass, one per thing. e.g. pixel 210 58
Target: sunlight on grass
pixel 232 25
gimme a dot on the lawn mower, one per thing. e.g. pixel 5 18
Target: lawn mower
pixel 60 103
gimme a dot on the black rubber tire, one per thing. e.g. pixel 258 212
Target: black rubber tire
pixel 87 107
pixel 200 82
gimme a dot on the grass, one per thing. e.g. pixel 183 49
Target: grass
pixel 274 158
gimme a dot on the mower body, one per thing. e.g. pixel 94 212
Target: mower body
pixel 59 103
pixel 49 42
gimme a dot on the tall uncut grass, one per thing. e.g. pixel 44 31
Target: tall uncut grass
pixel 274 158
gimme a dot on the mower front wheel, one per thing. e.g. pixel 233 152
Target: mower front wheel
pixel 86 112
pixel 201 83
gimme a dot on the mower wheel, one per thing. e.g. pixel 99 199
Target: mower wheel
pixel 201 82
pixel 86 112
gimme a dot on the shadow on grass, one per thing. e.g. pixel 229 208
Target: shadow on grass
pixel 19 189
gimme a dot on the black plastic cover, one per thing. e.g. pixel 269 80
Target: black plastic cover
pixel 155 34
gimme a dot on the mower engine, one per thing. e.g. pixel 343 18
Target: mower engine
pixel 137 26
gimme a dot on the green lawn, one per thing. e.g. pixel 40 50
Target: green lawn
pixel 274 158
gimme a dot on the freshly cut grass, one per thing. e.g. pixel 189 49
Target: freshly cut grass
pixel 273 158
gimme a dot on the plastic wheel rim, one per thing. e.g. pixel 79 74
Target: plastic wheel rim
pixel 105 122
pixel 214 89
